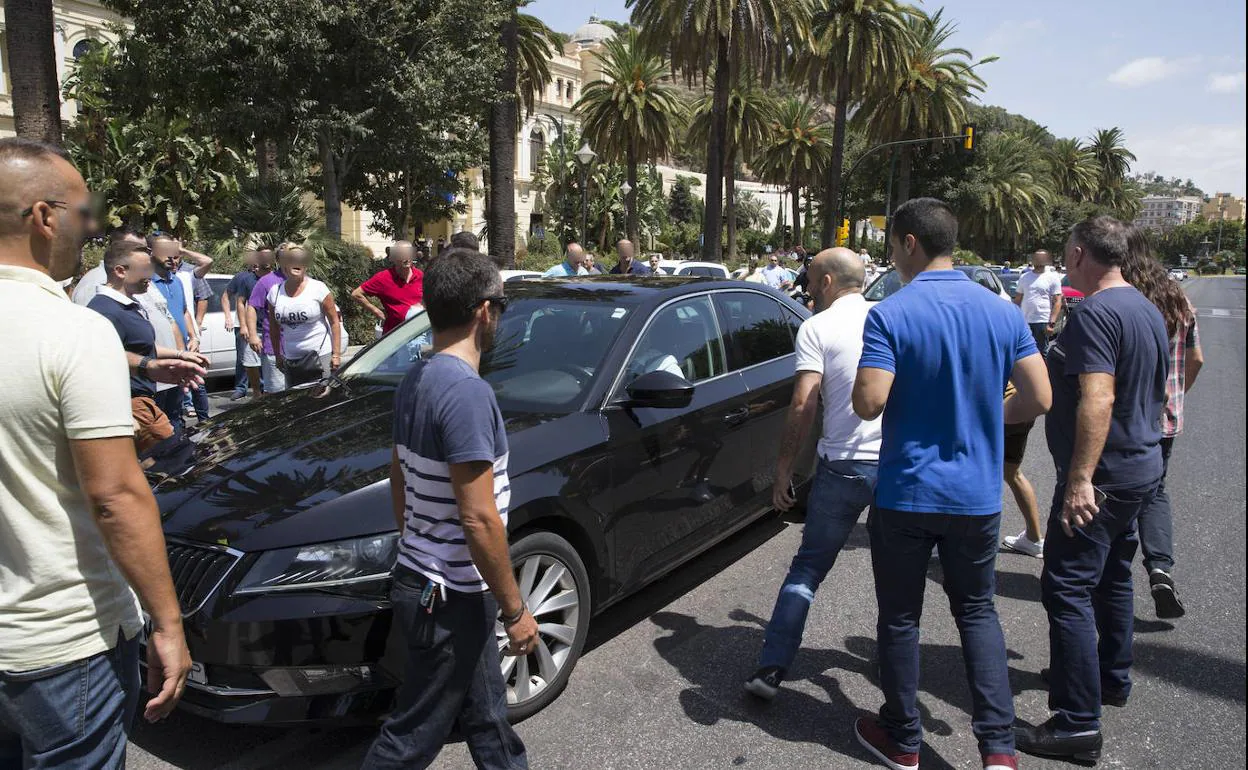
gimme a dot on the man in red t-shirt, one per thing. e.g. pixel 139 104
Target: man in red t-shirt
pixel 398 288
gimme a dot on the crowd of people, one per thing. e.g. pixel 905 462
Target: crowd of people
pixel 916 393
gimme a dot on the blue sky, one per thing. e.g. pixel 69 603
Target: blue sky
pixel 1170 74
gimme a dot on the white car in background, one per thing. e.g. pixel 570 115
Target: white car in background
pixel 1178 275
pixel 519 275
pixel 218 344
pixel 688 267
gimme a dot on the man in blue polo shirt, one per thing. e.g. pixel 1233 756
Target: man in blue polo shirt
pixel 628 264
pixel 936 358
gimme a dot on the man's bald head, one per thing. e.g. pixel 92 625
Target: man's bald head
pixel 575 255
pixel 625 249
pixel 834 273
pixel 44 211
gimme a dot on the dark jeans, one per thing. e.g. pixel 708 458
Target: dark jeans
pixel 1157 523
pixel 240 371
pixel 901 549
pixel 840 493
pixel 170 402
pixel 1086 590
pixel 1040 333
pixel 452 680
pixel 74 716
pixel 197 399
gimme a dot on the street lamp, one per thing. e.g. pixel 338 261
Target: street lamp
pixel 625 189
pixel 585 156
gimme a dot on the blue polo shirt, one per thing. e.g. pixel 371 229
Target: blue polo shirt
pixel 171 289
pixel 951 346
pixel 133 327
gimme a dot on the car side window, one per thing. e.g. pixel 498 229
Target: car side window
pixel 756 328
pixel 988 281
pixel 682 339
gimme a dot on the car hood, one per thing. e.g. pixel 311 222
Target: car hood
pixel 302 466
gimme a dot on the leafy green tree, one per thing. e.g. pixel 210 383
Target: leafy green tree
pixel 682 207
pixel 1114 190
pixel 751 212
pixel 1009 193
pixel 720 40
pixel 1074 169
pixel 632 113
pixel 796 151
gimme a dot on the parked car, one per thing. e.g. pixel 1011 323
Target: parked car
pixel 688 267
pixel 890 282
pixel 218 344
pixel 520 275
pixel 278 517
pixel 1178 274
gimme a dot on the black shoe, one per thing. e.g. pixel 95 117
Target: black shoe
pixel 765 682
pixel 1043 741
pixel 1165 595
pixel 1116 698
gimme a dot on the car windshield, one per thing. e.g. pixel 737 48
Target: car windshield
pixel 885 286
pixel 546 355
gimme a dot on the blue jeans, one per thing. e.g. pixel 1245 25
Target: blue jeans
pixel 452 679
pixel 1157 522
pixel 901 549
pixel 840 493
pixel 1086 590
pixel 240 372
pixel 74 716
pixel 170 401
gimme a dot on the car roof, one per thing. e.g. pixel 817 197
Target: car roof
pixel 646 289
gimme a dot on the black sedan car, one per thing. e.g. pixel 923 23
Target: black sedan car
pixel 644 417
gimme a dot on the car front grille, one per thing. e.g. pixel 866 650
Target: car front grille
pixel 197 571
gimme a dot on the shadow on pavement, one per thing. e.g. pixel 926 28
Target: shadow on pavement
pixel 1194 670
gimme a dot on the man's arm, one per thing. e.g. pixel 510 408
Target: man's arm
pixel 1096 404
pixel 1193 359
pixel 201 310
pixel 125 512
pixel 871 389
pixel 226 302
pixel 1055 310
pixel 473 483
pixel 1018 299
pixel 192 342
pixel 802 411
pixel 398 495
pixel 1034 394
pixel 363 301
pixel 202 262
pixel 172 367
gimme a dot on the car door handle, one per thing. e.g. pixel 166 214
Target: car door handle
pixel 737 416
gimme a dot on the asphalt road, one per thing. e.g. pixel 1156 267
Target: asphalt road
pixel 660 685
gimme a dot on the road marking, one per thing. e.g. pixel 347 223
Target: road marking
pixel 1221 312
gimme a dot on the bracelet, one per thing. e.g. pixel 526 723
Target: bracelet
pixel 142 367
pixel 514 619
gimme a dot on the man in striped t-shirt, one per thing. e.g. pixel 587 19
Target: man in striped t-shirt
pixel 448 482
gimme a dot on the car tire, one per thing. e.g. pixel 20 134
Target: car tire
pixel 540 558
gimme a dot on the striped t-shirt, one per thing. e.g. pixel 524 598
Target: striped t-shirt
pixel 445 414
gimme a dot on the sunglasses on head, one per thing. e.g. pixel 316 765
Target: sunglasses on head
pixel 84 210
pixel 499 302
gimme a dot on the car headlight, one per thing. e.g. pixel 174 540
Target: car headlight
pixel 322 565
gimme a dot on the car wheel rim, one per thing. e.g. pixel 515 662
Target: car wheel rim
pixel 550 592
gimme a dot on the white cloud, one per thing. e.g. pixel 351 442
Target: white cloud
pixel 1211 155
pixel 1150 69
pixel 1011 33
pixel 1226 82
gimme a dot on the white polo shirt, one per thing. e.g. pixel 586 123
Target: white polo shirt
pixel 64 378
pixel 830 343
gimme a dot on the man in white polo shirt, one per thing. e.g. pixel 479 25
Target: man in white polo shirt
pixel 1039 294
pixel 81 528
pixel 829 345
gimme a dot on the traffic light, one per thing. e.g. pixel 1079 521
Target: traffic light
pixel 968 139
pixel 842 233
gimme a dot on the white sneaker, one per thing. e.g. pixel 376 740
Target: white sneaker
pixel 1020 544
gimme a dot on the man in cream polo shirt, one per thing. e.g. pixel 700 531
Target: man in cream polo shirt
pixel 79 530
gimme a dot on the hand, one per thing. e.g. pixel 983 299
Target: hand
pixel 781 498
pixel 184 372
pixel 255 344
pixel 229 324
pixel 193 345
pixel 335 361
pixel 522 635
pixel 1050 330
pixel 168 663
pixel 380 316
pixel 281 363
pixel 1079 506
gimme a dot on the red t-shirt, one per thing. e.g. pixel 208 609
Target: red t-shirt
pixel 396 298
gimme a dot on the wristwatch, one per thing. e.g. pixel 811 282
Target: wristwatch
pixel 143 362
pixel 514 619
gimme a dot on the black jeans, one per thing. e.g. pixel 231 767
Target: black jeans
pixel 1157 523
pixel 901 550
pixel 452 680
pixel 1040 333
pixel 1086 590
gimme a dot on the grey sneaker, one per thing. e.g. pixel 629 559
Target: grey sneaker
pixel 765 682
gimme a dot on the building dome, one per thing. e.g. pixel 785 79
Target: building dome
pixel 592 33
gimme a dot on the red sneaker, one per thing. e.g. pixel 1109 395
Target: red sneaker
pixel 1000 762
pixel 875 740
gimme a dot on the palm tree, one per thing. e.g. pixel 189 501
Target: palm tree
pixel 930 95
pixel 632 113
pixel 1074 169
pixel 751 211
pixel 1113 160
pixel 796 151
pixel 859 44
pixel 36 92
pixel 526 44
pixel 749 110
pixel 721 39
pixel 1011 191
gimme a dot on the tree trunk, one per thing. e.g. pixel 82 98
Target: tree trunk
pixel 32 69
pixel 903 176
pixel 730 201
pixel 631 226
pixel 712 223
pixel 266 160
pixel 501 223
pixel 832 193
pixel 331 190
pixel 796 192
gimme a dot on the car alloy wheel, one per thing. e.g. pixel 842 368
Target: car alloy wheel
pixel 554 586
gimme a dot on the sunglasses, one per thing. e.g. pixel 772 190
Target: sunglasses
pixel 85 210
pixel 499 302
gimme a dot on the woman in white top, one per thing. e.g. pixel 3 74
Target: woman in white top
pixel 303 321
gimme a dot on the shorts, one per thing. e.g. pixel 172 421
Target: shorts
pixel 251 359
pixel 1016 441
pixel 274 378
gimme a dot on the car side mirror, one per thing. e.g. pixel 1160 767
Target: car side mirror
pixel 660 390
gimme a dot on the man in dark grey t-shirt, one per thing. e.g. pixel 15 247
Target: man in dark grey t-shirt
pixel 449 488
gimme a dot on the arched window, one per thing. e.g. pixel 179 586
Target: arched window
pixel 83 47
pixel 537 150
